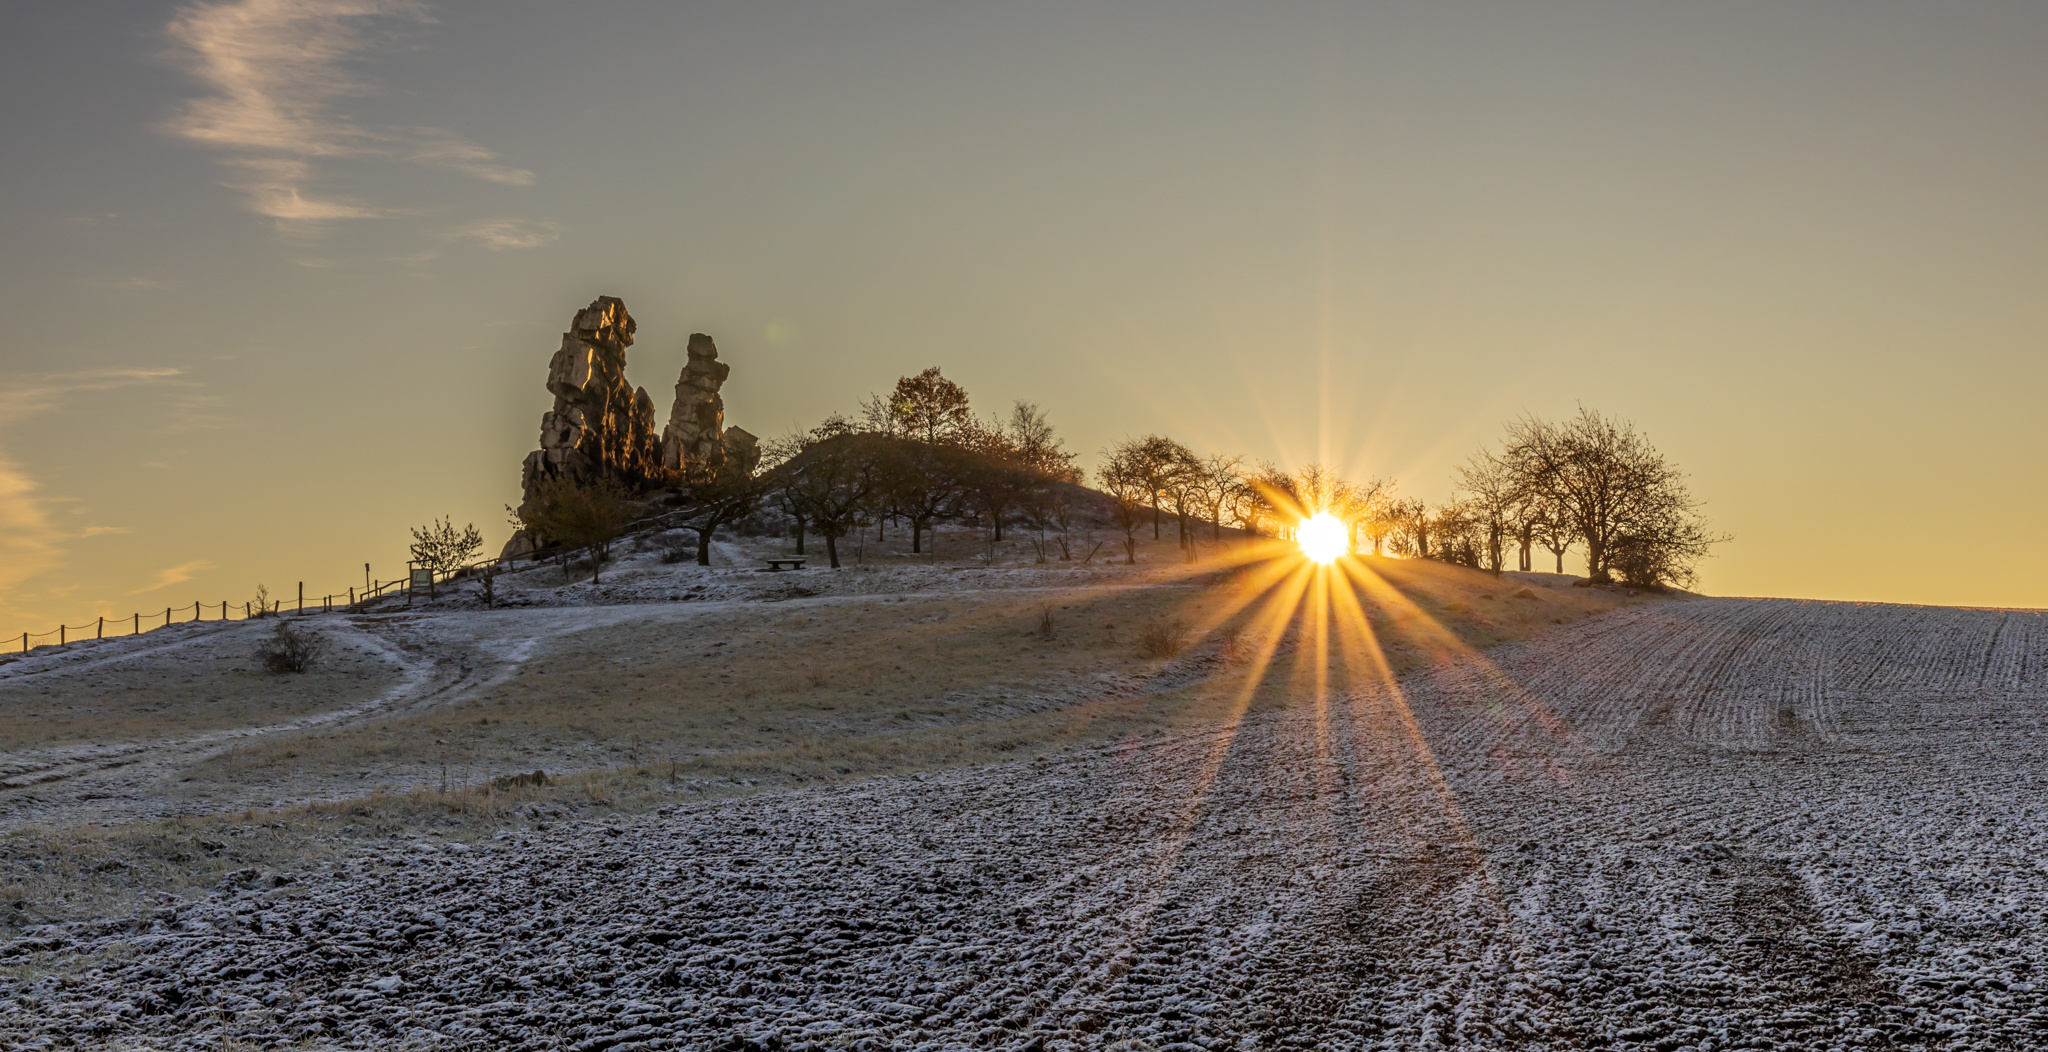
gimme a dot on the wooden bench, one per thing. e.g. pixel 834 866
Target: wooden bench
pixel 777 564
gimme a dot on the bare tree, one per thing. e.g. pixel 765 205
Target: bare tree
pixel 1279 505
pixel 1458 533
pixel 929 407
pixel 1494 494
pixel 1033 442
pixel 1387 517
pixel 1124 476
pixel 443 549
pixel 577 513
pixel 1411 531
pixel 1160 461
pixel 722 489
pixel 1613 488
pixel 1186 490
pixel 1222 479
pixel 993 477
pixel 1552 531
pixel 834 478
pixel 1355 504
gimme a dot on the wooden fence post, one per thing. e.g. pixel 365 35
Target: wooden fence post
pixel 60 633
pixel 167 617
pixel 302 597
pixel 138 625
pixel 103 628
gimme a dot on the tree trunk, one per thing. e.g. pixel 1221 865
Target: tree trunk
pixel 1559 552
pixel 1155 522
pixel 832 550
pixel 799 535
pixel 703 547
pixel 916 536
pixel 596 563
pixel 1131 551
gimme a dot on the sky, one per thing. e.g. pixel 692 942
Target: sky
pixel 282 277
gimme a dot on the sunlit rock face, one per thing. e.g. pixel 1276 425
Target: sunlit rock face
pixel 696 423
pixel 601 426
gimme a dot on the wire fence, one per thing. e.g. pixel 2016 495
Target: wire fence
pixel 134 624
pixel 351 600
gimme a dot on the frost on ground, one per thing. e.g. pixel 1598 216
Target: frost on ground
pixel 1702 824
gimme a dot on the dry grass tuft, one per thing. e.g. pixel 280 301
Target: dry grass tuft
pixel 1162 637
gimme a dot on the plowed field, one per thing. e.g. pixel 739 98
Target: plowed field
pixel 1700 824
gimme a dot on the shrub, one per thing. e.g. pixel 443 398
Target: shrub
pixel 1162 637
pixel 291 649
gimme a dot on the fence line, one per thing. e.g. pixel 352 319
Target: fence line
pixel 61 635
pixel 302 605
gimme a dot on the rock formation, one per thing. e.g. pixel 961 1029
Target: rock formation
pixel 696 432
pixel 697 419
pixel 600 427
pixel 603 427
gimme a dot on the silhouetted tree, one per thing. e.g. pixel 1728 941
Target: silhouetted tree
pixel 833 477
pixel 577 513
pixel 1124 476
pixel 929 407
pixel 442 548
pixel 1217 478
pixel 1613 487
pixel 1494 494
pixel 722 489
pixel 1159 461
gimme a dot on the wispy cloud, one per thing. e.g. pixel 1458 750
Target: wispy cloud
pixel 178 574
pixel 37 392
pixel 442 149
pixel 29 544
pixel 95 531
pixel 276 68
pixel 501 234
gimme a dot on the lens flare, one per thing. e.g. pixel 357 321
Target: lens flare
pixel 1321 537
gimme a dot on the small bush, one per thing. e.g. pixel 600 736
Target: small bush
pixel 1162 637
pixel 291 649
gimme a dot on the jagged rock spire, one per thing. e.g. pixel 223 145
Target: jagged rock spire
pixel 601 426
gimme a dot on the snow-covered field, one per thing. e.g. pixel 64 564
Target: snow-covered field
pixel 1698 824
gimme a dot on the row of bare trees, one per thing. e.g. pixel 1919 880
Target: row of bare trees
pixel 1591 481
pixel 920 457
pixel 1588 482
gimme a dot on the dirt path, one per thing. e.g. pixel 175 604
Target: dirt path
pixel 442 658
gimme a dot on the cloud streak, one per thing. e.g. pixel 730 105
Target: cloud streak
pixel 498 235
pixel 178 574
pixel 29 544
pixel 39 392
pixel 276 68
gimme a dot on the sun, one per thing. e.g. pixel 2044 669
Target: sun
pixel 1321 537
